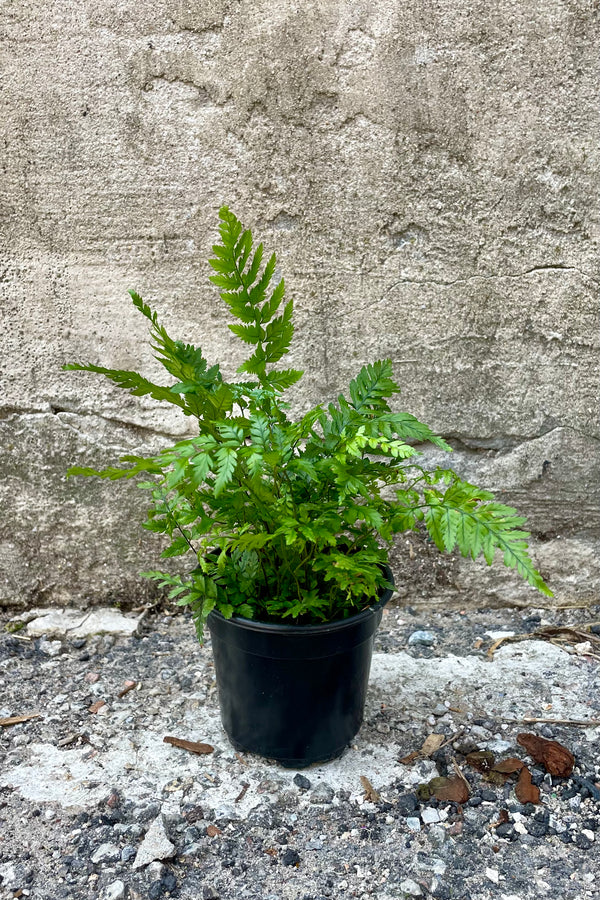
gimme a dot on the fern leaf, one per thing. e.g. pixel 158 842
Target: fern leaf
pixel 243 249
pixel 271 306
pixel 113 472
pixel 183 361
pixel 284 378
pixel 372 384
pixel 245 292
pixel 226 458
pixel 250 276
pixel 228 282
pixel 130 381
pixel 409 427
pixel 233 434
pixel 250 334
pixel 449 520
pixel 433 515
pixel 200 467
pixel 177 547
pixel 464 516
pixel 258 292
pixel 253 540
pixel 259 431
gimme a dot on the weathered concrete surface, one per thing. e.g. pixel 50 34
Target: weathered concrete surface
pixel 76 623
pixel 80 788
pixel 426 172
pixel 136 761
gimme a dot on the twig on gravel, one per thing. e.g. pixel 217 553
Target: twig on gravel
pixel 240 759
pixel 458 771
pixel 531 719
pixel 242 793
pixel 16 720
pixel 129 686
pixel 550 633
pixel 79 624
pixel 449 740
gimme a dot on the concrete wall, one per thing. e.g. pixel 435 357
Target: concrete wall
pixel 428 174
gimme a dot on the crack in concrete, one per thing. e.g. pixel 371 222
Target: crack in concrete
pixel 468 443
pixel 533 270
pixel 55 412
pixel 507 443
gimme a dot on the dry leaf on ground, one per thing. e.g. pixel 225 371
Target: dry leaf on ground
pixel 509 766
pixel 526 791
pixel 431 743
pixel 370 793
pixel 482 760
pixel 410 758
pixel 453 790
pixel 190 746
pixel 555 758
pixel 503 819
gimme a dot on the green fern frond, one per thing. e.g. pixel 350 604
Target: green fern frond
pixel 468 517
pixel 226 462
pixel 372 385
pixel 284 378
pixel 409 428
pixel 140 464
pixel 246 291
pixel 130 381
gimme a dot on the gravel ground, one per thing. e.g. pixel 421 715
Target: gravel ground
pixel 93 803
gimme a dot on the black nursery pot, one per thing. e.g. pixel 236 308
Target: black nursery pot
pixel 294 693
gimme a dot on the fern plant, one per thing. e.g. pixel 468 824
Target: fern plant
pixel 292 520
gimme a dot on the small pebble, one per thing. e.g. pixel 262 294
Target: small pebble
pixel 290 858
pixel 323 793
pixel 169 882
pixel 413 823
pixel 410 888
pixel 315 845
pixel 423 638
pixel 407 804
pixel 50 648
pixel 302 782
pixel 430 816
pixel 537 829
pixel 114 891
pixel 155 890
pixel 527 839
pixel 106 853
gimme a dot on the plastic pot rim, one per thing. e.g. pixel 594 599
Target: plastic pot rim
pixel 321 628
